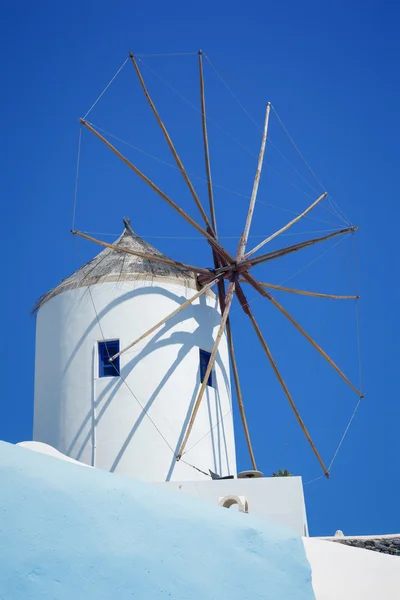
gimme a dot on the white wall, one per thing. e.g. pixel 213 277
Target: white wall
pixel 99 421
pixel 280 499
pixel 42 448
pixel 343 573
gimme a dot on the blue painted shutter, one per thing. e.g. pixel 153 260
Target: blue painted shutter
pixel 106 350
pixel 204 360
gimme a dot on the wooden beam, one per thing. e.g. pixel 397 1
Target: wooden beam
pixel 228 303
pixel 301 292
pixel 247 310
pixel 256 284
pixel 167 318
pixel 161 259
pixel 243 240
pixel 286 227
pixel 221 297
pixel 206 148
pixel 169 142
pixel 207 234
pixel 239 393
pixel 296 247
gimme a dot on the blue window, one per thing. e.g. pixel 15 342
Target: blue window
pixel 204 360
pixel 106 351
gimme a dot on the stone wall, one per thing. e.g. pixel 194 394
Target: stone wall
pixel 385 545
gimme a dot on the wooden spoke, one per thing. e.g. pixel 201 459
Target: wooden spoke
pixel 221 296
pixel 206 149
pixel 243 240
pixel 216 257
pixel 228 303
pixel 152 257
pixel 239 393
pixel 218 248
pixel 302 292
pixel 170 143
pixel 247 310
pixel 295 247
pixel 167 318
pixel 286 227
pixel 263 292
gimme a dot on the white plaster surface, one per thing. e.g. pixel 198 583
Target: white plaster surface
pixel 68 533
pixel 50 451
pixel 340 572
pixel 279 499
pixel 99 421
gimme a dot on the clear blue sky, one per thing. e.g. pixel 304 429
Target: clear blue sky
pixel 331 71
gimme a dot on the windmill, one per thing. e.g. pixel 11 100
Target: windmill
pixel 230 271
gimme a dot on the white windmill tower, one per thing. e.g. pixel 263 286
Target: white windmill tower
pixel 130 415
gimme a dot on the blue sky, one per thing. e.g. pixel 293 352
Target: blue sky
pixel 331 72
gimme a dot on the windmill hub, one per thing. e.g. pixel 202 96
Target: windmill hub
pixel 243 267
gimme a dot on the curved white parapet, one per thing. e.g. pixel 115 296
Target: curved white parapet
pixel 133 424
pixel 50 451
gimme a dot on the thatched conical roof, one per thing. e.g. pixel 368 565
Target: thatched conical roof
pixel 111 265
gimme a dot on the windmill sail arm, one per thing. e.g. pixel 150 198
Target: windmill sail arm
pixel 286 227
pixel 207 234
pixel 228 303
pixel 245 305
pixel 243 240
pixel 296 247
pixel 231 349
pixel 281 288
pixel 206 148
pixel 170 143
pixel 239 393
pixel 256 285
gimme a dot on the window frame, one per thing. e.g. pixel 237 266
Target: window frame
pixel 205 353
pixel 102 348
